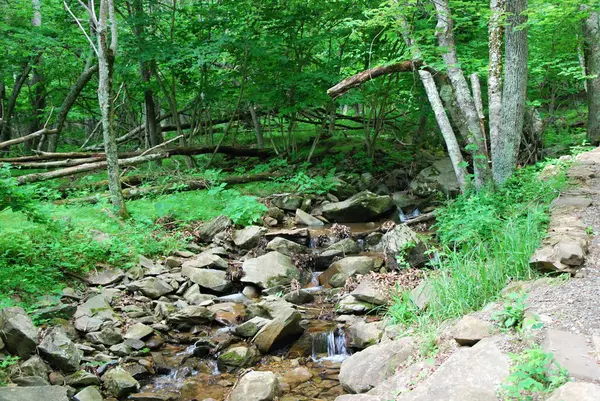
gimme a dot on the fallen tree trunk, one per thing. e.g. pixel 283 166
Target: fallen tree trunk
pixel 364 76
pixel 132 161
pixel 36 134
pixel 192 185
pixel 59 163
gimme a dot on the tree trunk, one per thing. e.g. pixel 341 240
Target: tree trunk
pixel 514 93
pixel 496 31
pixel 477 146
pixel 591 33
pixel 260 142
pixel 106 58
pixel 5 133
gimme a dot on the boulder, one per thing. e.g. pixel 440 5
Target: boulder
pixel 82 378
pixel 119 383
pixel 573 353
pixel 91 314
pixel 89 394
pixel 192 315
pixel 362 335
pixel 349 267
pixel 349 304
pixel 269 270
pixel 469 330
pixel 368 368
pixel 299 297
pixel 289 202
pixel 439 177
pixel 285 324
pixel 211 279
pixel 341 248
pixel 285 246
pixel 35 366
pixel 207 231
pixel 248 237
pixel 228 313
pixel 152 287
pixel 368 291
pixel 402 240
pixel 46 393
pixel 251 327
pixel 138 331
pixel 364 206
pixel 256 386
pixel 206 260
pixel 18 332
pixel 105 276
pixel 470 374
pixel 576 392
pixel 60 351
pixel 107 336
pixel 306 219
pixel 237 357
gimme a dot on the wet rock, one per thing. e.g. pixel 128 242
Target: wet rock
pixel 470 330
pixel 17 332
pixel 256 386
pixel 349 267
pixel 206 260
pixel 364 206
pixel 268 270
pixel 237 357
pixel 368 291
pixel 207 231
pixel 368 368
pixel 152 287
pixel 248 237
pixel 60 351
pixel 439 177
pixel 250 327
pixel 82 379
pixel 362 335
pixel 251 292
pixel 402 240
pixel 299 297
pixel 285 246
pixel 285 324
pixel 228 313
pixel 304 218
pixel 373 239
pixel 572 352
pixel 105 276
pixel 119 383
pixel 89 394
pixel 34 366
pixel 297 376
pixel 349 304
pixel 211 279
pixel 346 246
pixel 138 331
pixel 46 393
pixel 289 202
pixel 192 315
pixel 576 392
pixel 107 336
pixel 482 369
pixel 93 313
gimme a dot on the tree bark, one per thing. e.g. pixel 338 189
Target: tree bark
pixel 106 58
pixel 591 33
pixel 477 145
pixel 5 133
pixel 38 103
pixel 514 93
pixel 260 142
pixel 496 31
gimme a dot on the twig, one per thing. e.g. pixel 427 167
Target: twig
pixel 79 24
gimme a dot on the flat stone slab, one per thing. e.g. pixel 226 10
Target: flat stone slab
pixel 46 393
pixel 572 201
pixel 573 353
pixel 576 392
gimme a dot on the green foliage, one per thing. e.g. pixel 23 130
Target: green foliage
pixel 5 365
pixel 513 312
pixel 318 184
pixel 402 309
pixel 17 198
pixel 401 257
pixel 242 209
pixel 533 372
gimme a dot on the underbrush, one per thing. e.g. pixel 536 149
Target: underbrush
pixel 486 238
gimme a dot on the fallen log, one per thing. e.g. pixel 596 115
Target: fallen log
pixel 358 79
pixel 43 131
pixel 190 185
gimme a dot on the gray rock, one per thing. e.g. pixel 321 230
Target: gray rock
pixel 572 352
pixel 285 324
pixel 122 349
pixel 362 335
pixel 60 351
pixel 359 397
pixel 138 331
pixel 299 297
pixel 402 240
pixel 83 379
pixel 482 370
pixel 403 380
pixel 308 220
pixel 368 368
pixel 256 386
pixel 152 287
pixel 269 270
pixel 89 394
pixel 107 336
pixel 211 279
pixel 288 202
pixel 368 291
pixel 119 383
pixel 206 260
pixel 439 177
pixel 30 381
pixel 422 294
pixel 348 267
pixel 251 292
pixel 347 246
pixel 105 276
pixel 60 311
pixel 18 332
pixel 285 246
pixel 46 393
pixel 576 392
pixel 349 304
pixel 250 327
pixel 237 357
pixel 470 330
pixel 34 366
pixel 192 315
pixel 364 206
pixel 91 314
pixel 248 237
pixel 207 231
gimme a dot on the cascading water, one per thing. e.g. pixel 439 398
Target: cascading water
pixel 331 343
pixel 404 217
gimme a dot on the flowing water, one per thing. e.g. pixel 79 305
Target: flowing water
pixel 329 346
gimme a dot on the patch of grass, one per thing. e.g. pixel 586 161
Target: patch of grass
pixel 513 312
pixel 5 365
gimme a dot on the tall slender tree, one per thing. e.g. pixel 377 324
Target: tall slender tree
pixel 591 36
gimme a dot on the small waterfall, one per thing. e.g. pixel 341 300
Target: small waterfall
pixel 405 217
pixel 332 343
pixel 212 363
